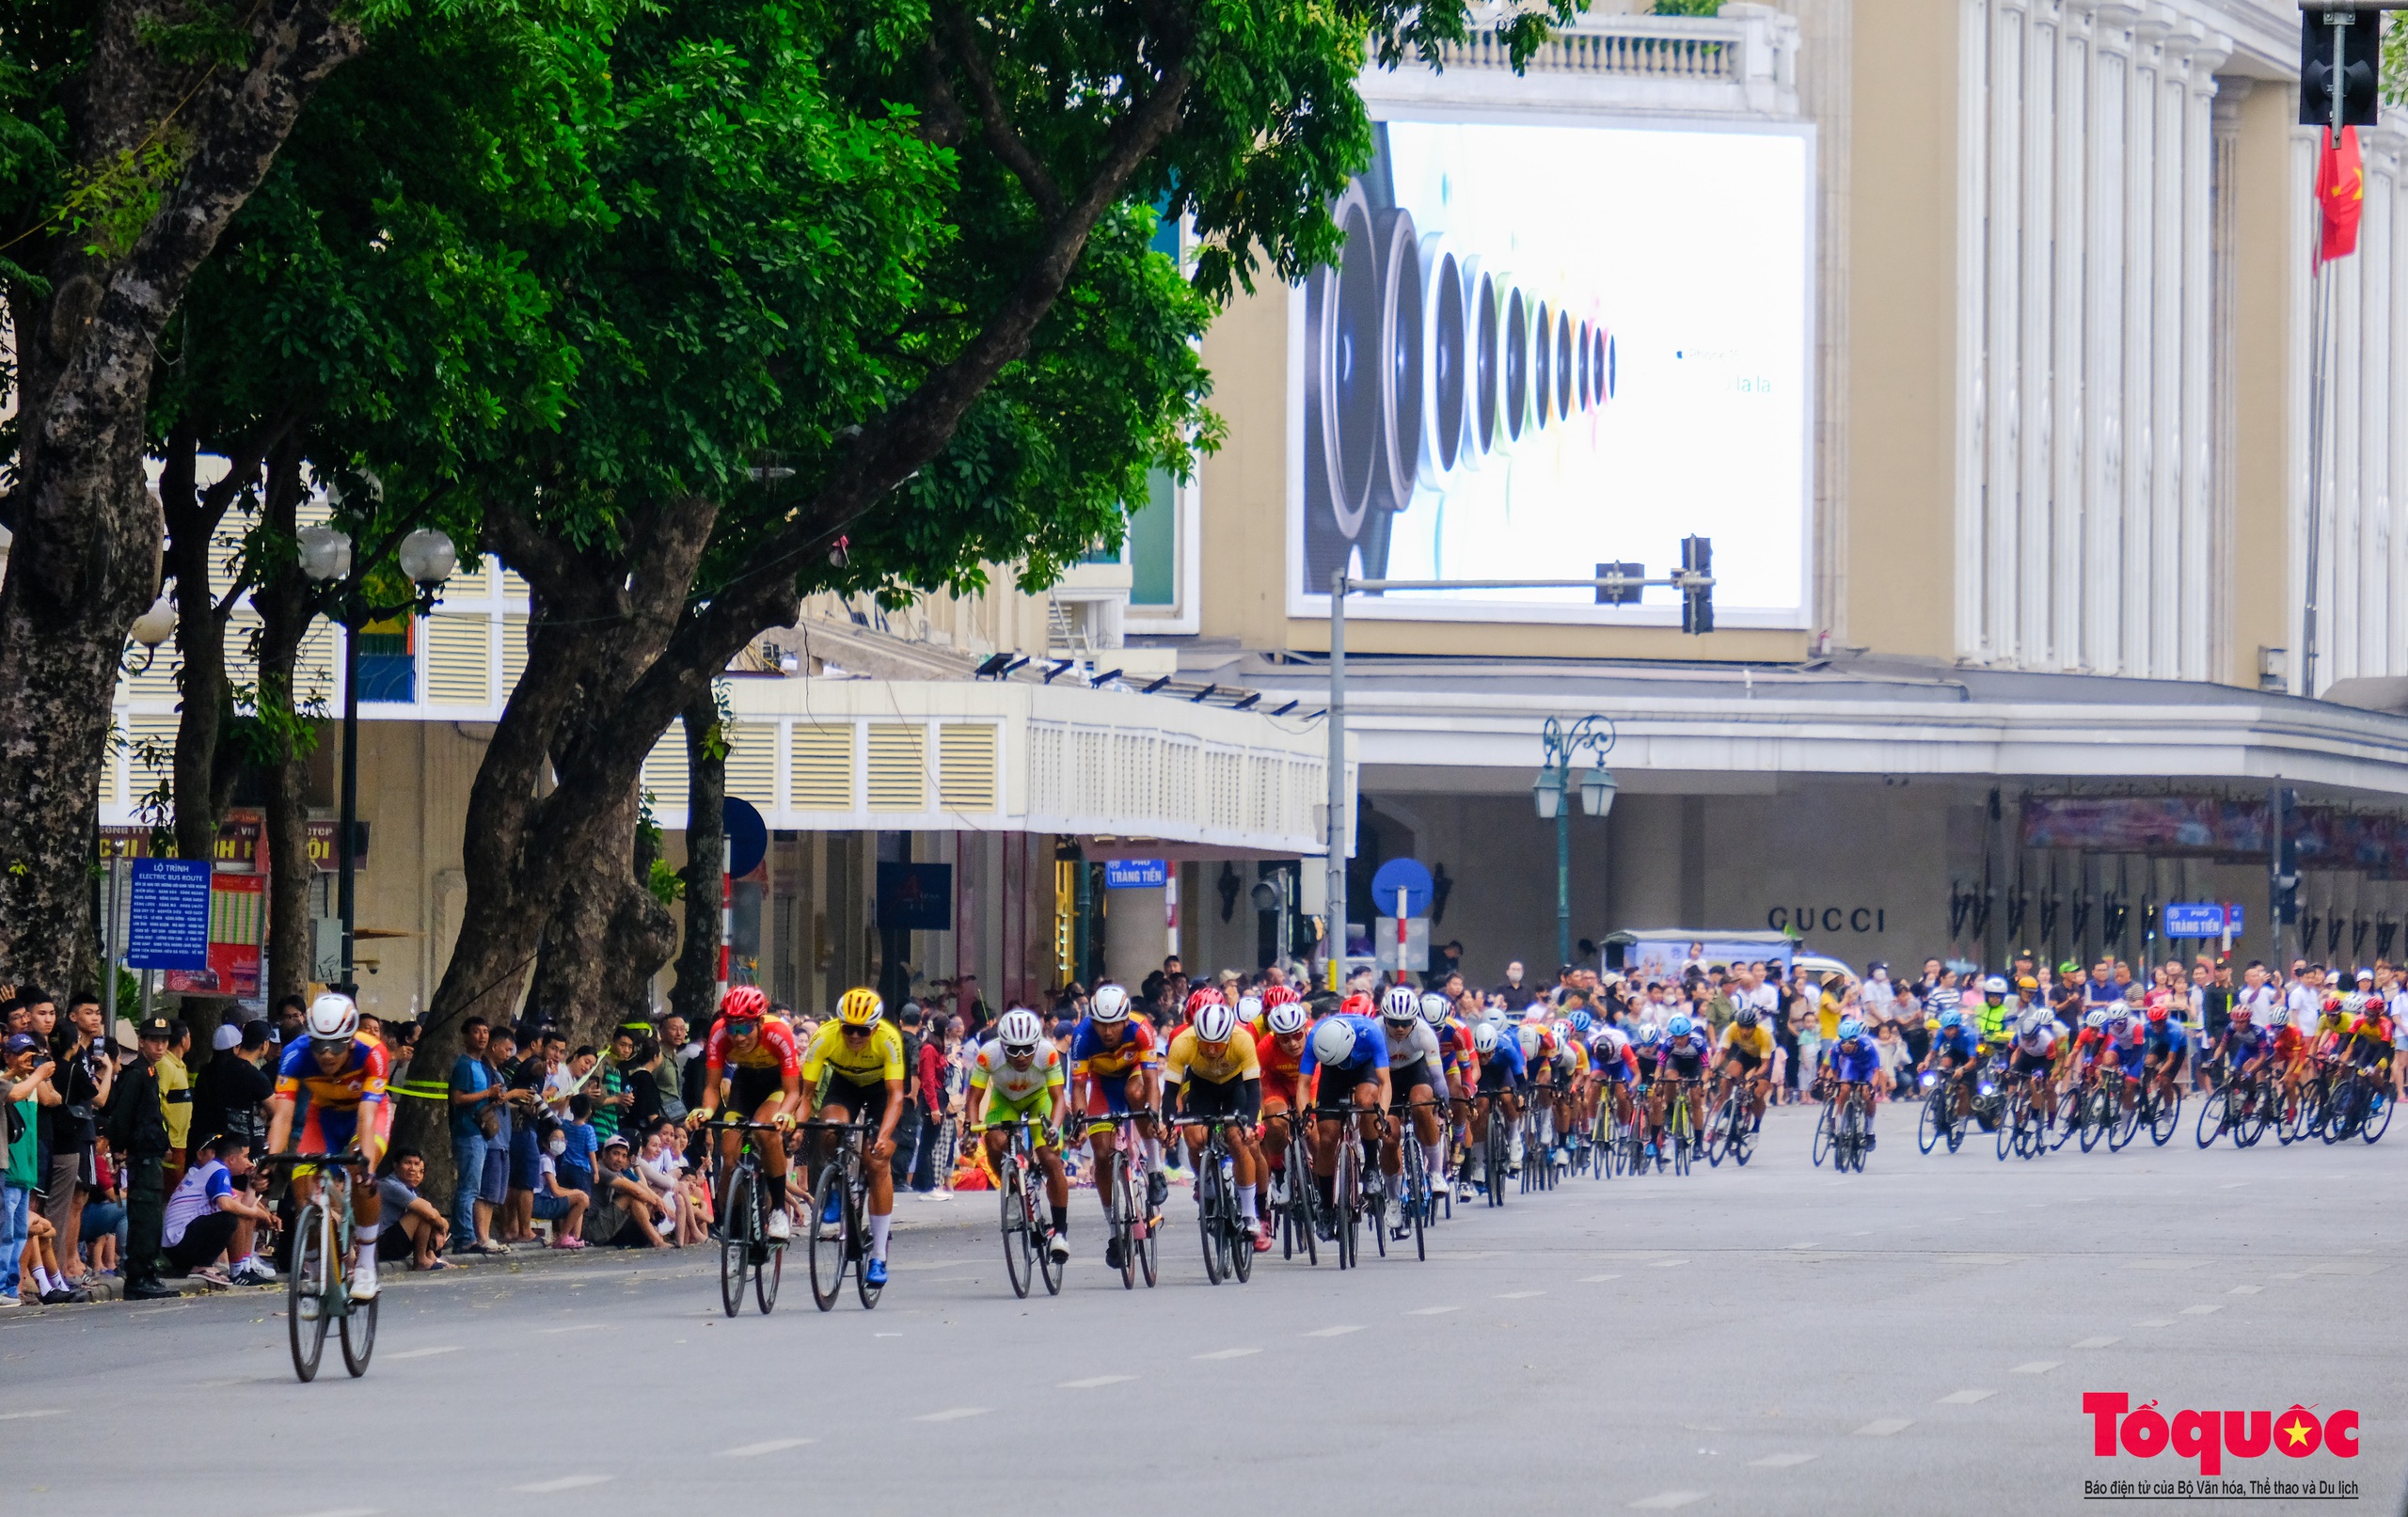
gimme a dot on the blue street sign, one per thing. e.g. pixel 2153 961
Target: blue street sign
pixel 748 837
pixel 2201 918
pixel 1405 875
pixel 170 929
pixel 1135 873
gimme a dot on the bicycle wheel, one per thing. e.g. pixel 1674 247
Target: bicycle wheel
pixel 1045 1261
pixel 1416 1193
pixel 1124 1235
pixel 1238 1243
pixel 2211 1117
pixel 736 1242
pixel 1348 1191
pixel 2166 1119
pixel 1742 1146
pixel 358 1330
pixel 305 1317
pixel 2251 1124
pixel 831 1244
pixel 2096 1114
pixel 2377 1121
pixel 1678 1134
pixel 857 1228
pixel 1020 1250
pixel 1493 1145
pixel 2009 1120
pixel 1954 1121
pixel 1928 1126
pixel 768 1263
pixel 1826 1132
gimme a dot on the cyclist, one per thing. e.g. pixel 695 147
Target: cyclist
pixel 767 1087
pixel 1956 1054
pixel 1538 1057
pixel 1647 1062
pixel 1855 1061
pixel 2037 1035
pixel 1346 1059
pixel 854 1068
pixel 1279 1052
pixel 2371 1047
pixel 1571 1076
pixel 1018 1077
pixel 2243 1045
pixel 1210 1070
pixel 1682 1065
pixel 1747 1055
pixel 1114 1063
pixel 335 1077
pixel 1250 1009
pixel 1418 1072
pixel 1502 1078
pixel 1455 1057
pixel 2165 1042
pixel 1615 1067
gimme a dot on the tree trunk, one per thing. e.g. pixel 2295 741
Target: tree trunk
pixel 696 996
pixel 86 557
pixel 286 605
pixel 607 935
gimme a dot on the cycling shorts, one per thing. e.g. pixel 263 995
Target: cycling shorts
pixel 1108 1095
pixel 1496 1079
pixel 324 1131
pixel 1750 1060
pixel 1206 1098
pixel 1685 1067
pixel 866 1102
pixel 749 1089
pixel 2028 1065
pixel 1615 1070
pixel 1403 1077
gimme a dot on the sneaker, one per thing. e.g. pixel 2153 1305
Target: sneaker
pixel 1327 1226
pixel 1058 1247
pixel 1463 1189
pixel 780 1226
pixel 1868 1140
pixel 363 1277
pixel 874 1273
pixel 1112 1257
pixel 833 1212
pixel 7 1301
pixel 1157 1189
pixel 254 1271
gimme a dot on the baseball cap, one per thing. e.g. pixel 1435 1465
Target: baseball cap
pixel 616 1140
pixel 21 1043
pixel 228 1036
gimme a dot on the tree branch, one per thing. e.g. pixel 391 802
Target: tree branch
pixel 995 123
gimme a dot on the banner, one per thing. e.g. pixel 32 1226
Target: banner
pixel 235 921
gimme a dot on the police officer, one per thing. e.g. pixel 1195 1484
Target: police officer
pixel 139 1131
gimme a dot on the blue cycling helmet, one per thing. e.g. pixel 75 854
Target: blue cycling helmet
pixel 1951 1018
pixel 1680 1027
pixel 1582 1021
pixel 1650 1034
pixel 1851 1029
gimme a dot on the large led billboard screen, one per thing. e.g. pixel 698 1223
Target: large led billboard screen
pixel 1545 348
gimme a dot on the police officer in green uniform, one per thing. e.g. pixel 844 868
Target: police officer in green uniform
pixel 138 1132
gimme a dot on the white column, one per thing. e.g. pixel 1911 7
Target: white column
pixel 2166 334
pixel 2002 289
pixel 2070 349
pixel 2142 166
pixel 2369 628
pixel 2395 524
pixel 2105 457
pixel 2198 360
pixel 2224 571
pixel 2337 619
pixel 1973 385
pixel 2035 556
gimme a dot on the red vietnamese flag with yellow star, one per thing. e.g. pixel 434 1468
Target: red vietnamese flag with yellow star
pixel 2340 194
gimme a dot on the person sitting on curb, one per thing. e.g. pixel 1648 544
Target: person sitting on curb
pixel 414 1229
pixel 554 1203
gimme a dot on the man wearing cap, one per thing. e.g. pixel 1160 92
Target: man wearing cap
pixel 210 1213
pixel 175 1101
pixel 624 1208
pixel 25 1088
pixel 138 1131
pixel 230 1089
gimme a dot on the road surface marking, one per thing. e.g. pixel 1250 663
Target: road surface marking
pixel 1093 1382
pixel 581 1327
pixel 2167 1264
pixel 1520 1295
pixel 1595 1279
pixel 1884 1427
pixel 566 1482
pixel 1331 1332
pixel 2244 1291
pixel 2201 1311
pixel 2037 1367
pixel 2097 1343
pixel 348 1512
pixel 1667 1264
pixel 953 1414
pixel 1781 1461
pixel 1814 1246
pixel 1965 1397
pixel 46 1412
pixel 426 1354
pixel 1667 1500
pixel 2155 1321
pixel 1226 1353
pixel 1432 1311
pixel 771 1447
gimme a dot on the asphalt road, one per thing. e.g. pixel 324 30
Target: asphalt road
pixel 1778 1339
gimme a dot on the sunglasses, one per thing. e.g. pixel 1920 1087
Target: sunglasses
pixel 856 1032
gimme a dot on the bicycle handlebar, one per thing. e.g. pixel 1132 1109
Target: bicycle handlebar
pixel 355 1161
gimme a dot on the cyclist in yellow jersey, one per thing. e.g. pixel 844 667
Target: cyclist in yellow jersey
pixel 1212 1070
pixel 1016 1078
pixel 1747 1055
pixel 853 1068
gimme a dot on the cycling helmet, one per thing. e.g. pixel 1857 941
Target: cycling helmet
pixel 1851 1029
pixel 2243 1011
pixel 1334 1040
pixel 333 1018
pixel 1249 1010
pixel 1281 995
pixel 1582 1021
pixel 1399 1004
pixel 861 1007
pixel 1285 1018
pixel 1994 986
pixel 743 1004
pixel 1650 1034
pixel 1680 1027
pixel 1745 1016
pixel 1483 1039
pixel 1215 1023
pixel 2279 1017
pixel 1019 1031
pixel 2157 1014
pixel 1111 1004
pixel 1357 1005
pixel 1951 1018
pixel 2026 982
pixel 1433 1007
pixel 2095 1019
pixel 1201 997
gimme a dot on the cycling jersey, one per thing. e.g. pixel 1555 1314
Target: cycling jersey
pixel 2245 1040
pixel 2039 1043
pixel 1953 1042
pixel 1504 1066
pixel 878 1060
pixel 1094 1054
pixel 993 1071
pixel 2286 1043
pixel 1755 1041
pixel 1189 1056
pixel 1414 1045
pixel 1858 1063
pixel 1281 1067
pixel 359 1080
pixel 1371 1050
pixel 775 1048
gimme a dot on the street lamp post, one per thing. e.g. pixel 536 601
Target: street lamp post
pixel 1597 789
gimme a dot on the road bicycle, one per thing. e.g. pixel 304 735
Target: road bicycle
pixel 1732 1132
pixel 1496 1148
pixel 2360 1108
pixel 1356 1190
pixel 1680 1142
pixel 1228 1248
pixel 1292 1197
pixel 319 1289
pixel 1019 1179
pixel 1126 1219
pixel 1417 1209
pixel 1840 1132
pixel 2156 1111
pixel 843 1244
pixel 1941 1122
pixel 746 1246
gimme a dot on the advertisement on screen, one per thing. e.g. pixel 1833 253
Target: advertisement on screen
pixel 1544 348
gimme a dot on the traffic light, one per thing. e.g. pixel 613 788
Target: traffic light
pixel 2286 855
pixel 2358 39
pixel 1697 590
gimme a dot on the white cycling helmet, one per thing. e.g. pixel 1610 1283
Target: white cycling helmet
pixel 332 1018
pixel 1333 1042
pixel 2095 1019
pixel 1215 1023
pixel 1399 1004
pixel 1111 1004
pixel 1483 1039
pixel 1018 1029
pixel 1249 1008
pixel 1286 1018
pixel 2279 1017
pixel 1433 1007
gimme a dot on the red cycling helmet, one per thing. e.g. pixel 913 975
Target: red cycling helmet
pixel 2157 1011
pixel 1280 995
pixel 1355 1005
pixel 1198 999
pixel 743 1004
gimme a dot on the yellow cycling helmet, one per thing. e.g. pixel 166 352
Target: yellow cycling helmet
pixel 861 1007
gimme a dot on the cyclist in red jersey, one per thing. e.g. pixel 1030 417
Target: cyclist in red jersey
pixel 768 1083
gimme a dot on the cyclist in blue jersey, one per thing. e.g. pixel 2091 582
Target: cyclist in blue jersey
pixel 1503 1076
pixel 1346 1061
pixel 1956 1052
pixel 1853 1060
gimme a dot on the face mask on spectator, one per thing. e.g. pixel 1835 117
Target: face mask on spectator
pixel 557 1148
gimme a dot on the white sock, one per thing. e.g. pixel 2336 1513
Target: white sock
pixel 1245 1202
pixel 47 1281
pixel 1435 1155
pixel 878 1226
pixel 366 1232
